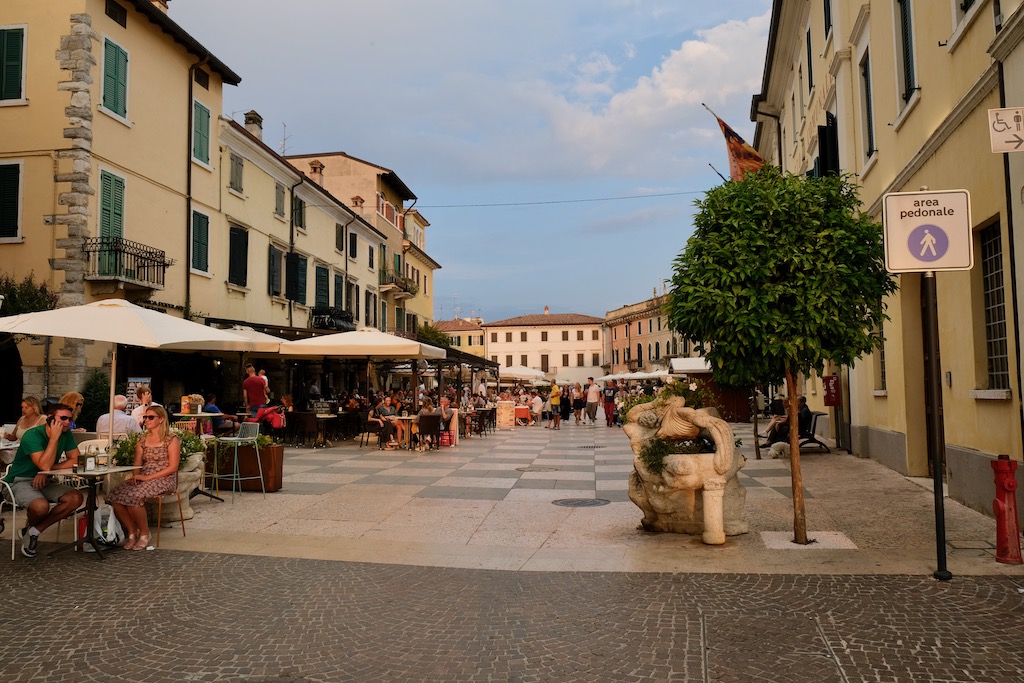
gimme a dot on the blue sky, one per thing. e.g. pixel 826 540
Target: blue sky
pixel 533 132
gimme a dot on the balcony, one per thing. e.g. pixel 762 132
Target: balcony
pixel 127 263
pixel 400 286
pixel 330 318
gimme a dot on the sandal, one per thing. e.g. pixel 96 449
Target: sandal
pixel 129 542
pixel 143 542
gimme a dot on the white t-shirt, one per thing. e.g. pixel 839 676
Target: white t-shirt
pixel 593 393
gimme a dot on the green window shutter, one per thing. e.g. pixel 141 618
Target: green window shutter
pixel 238 256
pixel 12 44
pixel 907 35
pixel 200 242
pixel 339 291
pixel 201 133
pixel 274 272
pixel 279 199
pixel 236 173
pixel 115 78
pixel 300 277
pixel 869 116
pixel 810 66
pixel 111 205
pixel 339 237
pixel 323 286
pixel 10 181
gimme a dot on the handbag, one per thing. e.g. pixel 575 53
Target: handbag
pixel 106 528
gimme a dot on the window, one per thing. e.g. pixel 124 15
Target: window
pixel 238 256
pixel 639 327
pixel 350 293
pixel 202 79
pixel 117 13
pixel 650 352
pixel 494 337
pixel 995 308
pixel 828 16
pixel 615 333
pixel 522 360
pixel 236 173
pixel 299 212
pixel 579 360
pixel 200 133
pixel 383 315
pixel 10 201
pixel 565 360
pixel 596 360
pixel 869 116
pixel 279 200
pixel 494 359
pixel 12 64
pixel 369 307
pixel 469 338
pixel 905 50
pixel 274 278
pixel 115 79
pixel 640 354
pixel 481 340
pixel 508 338
pixel 339 237
pixel 522 336
pixel 425 287
pixel 565 335
pixel 543 362
pixel 650 325
pixel 508 361
pixel 657 350
pixel 369 257
pixel 595 335
pixel 295 278
pixel 544 336
pixel 322 294
pixel 353 245
pixel 200 242
pixel 579 335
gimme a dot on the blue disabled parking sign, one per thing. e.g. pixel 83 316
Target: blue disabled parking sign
pixel 928 231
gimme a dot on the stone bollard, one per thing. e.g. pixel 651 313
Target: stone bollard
pixel 1004 507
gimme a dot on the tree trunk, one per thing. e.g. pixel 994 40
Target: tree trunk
pixel 757 436
pixel 799 517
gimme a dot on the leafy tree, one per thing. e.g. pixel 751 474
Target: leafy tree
pixel 782 274
pixel 25 296
pixel 97 397
pixel 429 334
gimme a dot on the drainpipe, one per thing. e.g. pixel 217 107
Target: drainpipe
pixel 188 187
pixel 778 132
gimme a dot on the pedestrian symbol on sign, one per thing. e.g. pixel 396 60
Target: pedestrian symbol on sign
pixel 928 242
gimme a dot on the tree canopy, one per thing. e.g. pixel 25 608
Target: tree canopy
pixel 26 296
pixel 783 272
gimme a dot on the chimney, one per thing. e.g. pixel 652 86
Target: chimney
pixel 316 171
pixel 357 202
pixel 254 124
pixel 547 311
pixel 161 5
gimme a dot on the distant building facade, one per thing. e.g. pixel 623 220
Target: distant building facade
pixel 467 334
pixel 568 347
pixel 638 338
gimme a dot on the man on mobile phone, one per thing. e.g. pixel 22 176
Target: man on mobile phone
pixel 41 448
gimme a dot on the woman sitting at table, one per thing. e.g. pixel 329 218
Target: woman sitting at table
pixel 398 403
pixel 76 401
pixel 157 453
pixel 426 408
pixel 383 414
pixel 31 416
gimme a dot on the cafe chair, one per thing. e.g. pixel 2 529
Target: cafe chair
pixel 248 433
pixel 368 428
pixel 7 498
pixel 160 514
pixel 186 425
pixel 430 428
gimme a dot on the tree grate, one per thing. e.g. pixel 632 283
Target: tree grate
pixel 590 447
pixel 580 502
pixel 536 468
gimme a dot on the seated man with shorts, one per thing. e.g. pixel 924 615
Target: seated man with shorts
pixel 40 450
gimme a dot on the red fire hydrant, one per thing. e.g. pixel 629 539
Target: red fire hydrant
pixel 1005 509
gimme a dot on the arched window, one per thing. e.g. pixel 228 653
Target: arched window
pixel 640 354
pixel 650 351
pixel 657 350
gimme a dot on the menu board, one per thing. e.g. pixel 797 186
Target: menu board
pixel 505 418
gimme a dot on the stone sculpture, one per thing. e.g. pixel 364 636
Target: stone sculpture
pixel 669 499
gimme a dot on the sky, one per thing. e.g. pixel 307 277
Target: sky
pixel 556 147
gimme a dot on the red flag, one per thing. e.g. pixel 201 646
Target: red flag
pixel 742 157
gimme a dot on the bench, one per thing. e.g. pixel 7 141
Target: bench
pixel 810 437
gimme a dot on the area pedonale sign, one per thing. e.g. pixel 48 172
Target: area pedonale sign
pixel 928 231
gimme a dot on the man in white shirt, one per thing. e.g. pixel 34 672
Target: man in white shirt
pixel 593 400
pixel 536 407
pixel 123 422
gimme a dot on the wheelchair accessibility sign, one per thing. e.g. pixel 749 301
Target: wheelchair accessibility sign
pixel 1006 129
pixel 928 231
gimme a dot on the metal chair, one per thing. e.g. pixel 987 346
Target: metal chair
pixel 368 428
pixel 430 426
pixel 160 513
pixel 7 498
pixel 248 433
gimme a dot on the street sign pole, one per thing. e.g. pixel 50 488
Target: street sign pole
pixel 936 438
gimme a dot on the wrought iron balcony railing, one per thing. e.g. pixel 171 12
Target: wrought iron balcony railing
pixel 118 259
pixel 389 279
pixel 331 318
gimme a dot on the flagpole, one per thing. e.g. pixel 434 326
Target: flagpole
pixel 724 179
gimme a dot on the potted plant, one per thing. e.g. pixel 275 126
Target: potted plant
pixel 190 468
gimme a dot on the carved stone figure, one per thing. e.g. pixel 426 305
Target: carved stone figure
pixel 669 499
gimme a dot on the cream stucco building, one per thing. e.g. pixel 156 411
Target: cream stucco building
pixel 897 92
pixel 568 347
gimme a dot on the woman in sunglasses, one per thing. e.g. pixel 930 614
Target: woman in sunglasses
pixel 157 453
pixel 76 401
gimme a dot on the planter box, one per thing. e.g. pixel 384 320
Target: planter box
pixel 271 460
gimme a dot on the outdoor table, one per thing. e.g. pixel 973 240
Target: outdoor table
pixel 321 430
pixel 522 415
pixel 407 440
pixel 91 478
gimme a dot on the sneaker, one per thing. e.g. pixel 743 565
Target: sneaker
pixel 28 543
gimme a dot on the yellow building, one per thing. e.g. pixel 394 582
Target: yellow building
pixel 109 111
pixel 379 196
pixel 467 335
pixel 897 92
pixel 638 338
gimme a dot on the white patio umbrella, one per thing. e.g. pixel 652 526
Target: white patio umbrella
pixel 367 343
pixel 260 342
pixel 121 322
pixel 520 372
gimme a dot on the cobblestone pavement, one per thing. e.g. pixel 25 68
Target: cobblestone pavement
pixel 186 616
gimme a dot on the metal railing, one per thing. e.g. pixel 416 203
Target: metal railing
pixel 115 258
pixel 390 277
pixel 330 318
